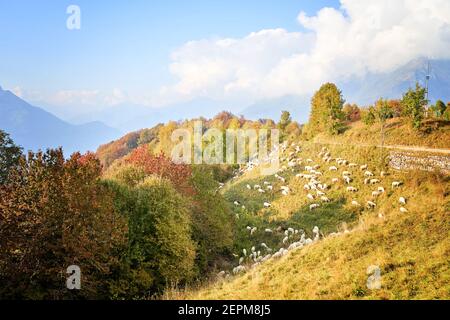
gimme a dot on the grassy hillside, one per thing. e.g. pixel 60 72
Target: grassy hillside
pixel 412 249
pixel 434 133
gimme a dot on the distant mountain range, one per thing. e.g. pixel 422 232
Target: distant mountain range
pixel 34 128
pixel 365 90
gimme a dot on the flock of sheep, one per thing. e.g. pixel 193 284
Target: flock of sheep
pixel 316 194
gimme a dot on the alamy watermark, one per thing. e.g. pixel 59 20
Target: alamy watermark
pixel 73 22
pixel 73 281
pixel 258 148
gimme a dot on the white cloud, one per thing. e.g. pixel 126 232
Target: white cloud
pixel 361 36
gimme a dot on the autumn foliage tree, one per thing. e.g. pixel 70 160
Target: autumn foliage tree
pixel 326 111
pixel 54 213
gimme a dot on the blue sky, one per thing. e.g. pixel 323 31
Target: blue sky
pixel 122 44
pixel 157 53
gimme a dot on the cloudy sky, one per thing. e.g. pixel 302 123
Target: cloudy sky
pixel 155 53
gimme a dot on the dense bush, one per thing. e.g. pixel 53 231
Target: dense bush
pixel 54 213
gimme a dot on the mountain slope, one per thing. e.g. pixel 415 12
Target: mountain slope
pixel 33 128
pixel 410 248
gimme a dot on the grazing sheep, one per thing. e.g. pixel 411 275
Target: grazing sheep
pixel 368 174
pixel 333 168
pixel 374 181
pixel 335 180
pixel 363 167
pixel 313 206
pixel 381 189
pixel 325 199
pixel 352 189
pixel 221 274
pixel 366 180
pixel 306 187
pixel 320 193
pixel 269 188
pixel 267 205
pixel 239 269
pixel 310 196
pixel 268 230
pixel 285 240
pixel 261 191
pixel 284 193
pixel 244 251
pixel 257 186
pixel 371 204
pixel 347 179
pixel 383 174
pixel 375 194
pixel 396 184
pixel 236 203
pixel 249 187
pixel 253 230
pixel 352 165
pixel 402 200
pixel 253 249
pixel 241 260
pixel 346 173
pixel 355 203
pixel 403 210
pixel 267 257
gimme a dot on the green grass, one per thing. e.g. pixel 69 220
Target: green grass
pixel 412 249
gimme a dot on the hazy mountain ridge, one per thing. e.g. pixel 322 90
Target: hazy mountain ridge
pixel 34 128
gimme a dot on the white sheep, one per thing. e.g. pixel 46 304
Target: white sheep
pixel 261 191
pixel 355 203
pixel 269 188
pixel 402 200
pixel 313 206
pixel 267 205
pixel 241 260
pixel 310 196
pixel 239 269
pixel 352 189
pixel 284 193
pixel 249 187
pixel 374 181
pixel 371 204
pixel 325 199
pixel 335 180
pixel 285 239
pixel 268 230
pixel 368 174
pixel 363 167
pixel 346 173
pixel 381 189
pixel 333 168
pixel 253 230
pixel 375 194
pixel 244 251
pixel 320 193
pixel 403 210
pixel 236 203
pixel 347 179
pixel 396 184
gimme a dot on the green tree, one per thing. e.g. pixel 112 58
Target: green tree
pixel 160 248
pixel 440 108
pixel 413 103
pixel 9 155
pixel 326 110
pixel 285 120
pixel 368 116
